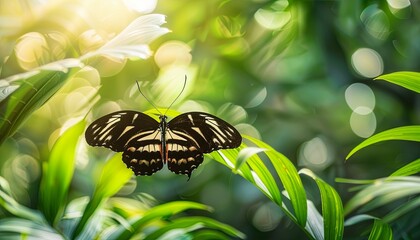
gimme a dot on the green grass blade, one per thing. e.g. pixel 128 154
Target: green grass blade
pixel 58 173
pixel 409 80
pixel 113 177
pixel 380 230
pixel 290 179
pixel 408 133
pixel 409 169
pixel 332 208
pixel 31 94
pixel 161 211
pixel 182 226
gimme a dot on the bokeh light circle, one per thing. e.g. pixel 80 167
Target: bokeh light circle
pixel 367 62
pixel 360 98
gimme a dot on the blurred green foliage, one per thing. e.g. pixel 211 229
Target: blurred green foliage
pixel 295 74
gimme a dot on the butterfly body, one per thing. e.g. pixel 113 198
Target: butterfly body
pixel 148 144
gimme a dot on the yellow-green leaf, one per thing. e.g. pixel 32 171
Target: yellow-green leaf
pixel 407 133
pixel 409 80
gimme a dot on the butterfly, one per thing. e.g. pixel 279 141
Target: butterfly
pixel 148 144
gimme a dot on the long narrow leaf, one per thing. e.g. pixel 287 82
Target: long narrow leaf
pixel 182 226
pixel 383 191
pixel 409 169
pixel 332 208
pixel 409 80
pixel 290 179
pixel 380 230
pixel 160 211
pixel 113 177
pixel 315 223
pixel 31 94
pixel 58 172
pixel 405 208
pixel 408 133
pixel 17 228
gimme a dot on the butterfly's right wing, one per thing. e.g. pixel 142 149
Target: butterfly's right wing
pixel 135 134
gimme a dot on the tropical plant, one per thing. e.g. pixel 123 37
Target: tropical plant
pixel 258 66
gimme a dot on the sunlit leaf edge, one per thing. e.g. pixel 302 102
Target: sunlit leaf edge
pixel 409 80
pixel 407 133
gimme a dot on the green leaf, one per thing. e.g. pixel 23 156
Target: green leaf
pixel 112 178
pixel 185 225
pixel 17 228
pixel 408 133
pixel 260 176
pixel 409 80
pixel 358 218
pixel 409 169
pixel 58 173
pixel 30 94
pixel 383 191
pixel 161 211
pixel 8 203
pixel 380 230
pixel 245 154
pixel 289 178
pixel 332 208
pixel 315 223
pixel 404 208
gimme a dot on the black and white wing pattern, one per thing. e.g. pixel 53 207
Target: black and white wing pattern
pixel 147 144
pixel 191 134
pixel 135 134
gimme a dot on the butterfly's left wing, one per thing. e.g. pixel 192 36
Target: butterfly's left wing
pixel 189 135
pixel 135 134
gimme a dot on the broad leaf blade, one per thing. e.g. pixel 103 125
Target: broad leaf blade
pixel 31 94
pixel 58 173
pixel 332 208
pixel 409 80
pixel 113 177
pixel 408 133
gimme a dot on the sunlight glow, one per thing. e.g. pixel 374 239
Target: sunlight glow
pixel 360 98
pixel 376 22
pixel 141 6
pixel 399 4
pixel 315 154
pixel 363 125
pixel 31 50
pixel 272 20
pixel 367 62
pixel 267 217
pixel 173 52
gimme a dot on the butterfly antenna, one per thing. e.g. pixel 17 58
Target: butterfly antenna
pixel 182 90
pixel 138 86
